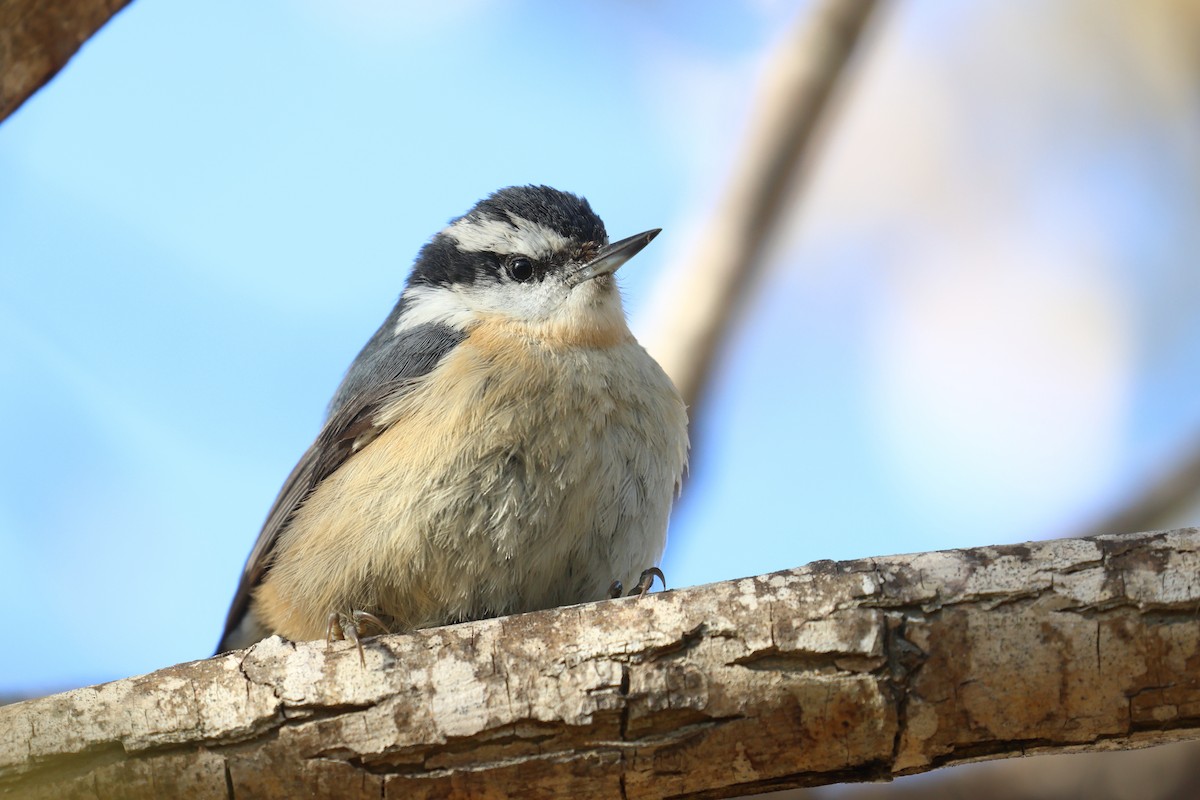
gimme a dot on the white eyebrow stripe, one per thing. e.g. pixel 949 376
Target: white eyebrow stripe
pixel 517 235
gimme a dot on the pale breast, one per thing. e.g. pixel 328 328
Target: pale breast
pixel 513 477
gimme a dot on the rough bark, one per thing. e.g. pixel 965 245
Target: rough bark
pixel 857 670
pixel 38 37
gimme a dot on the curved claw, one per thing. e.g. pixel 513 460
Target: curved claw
pixel 350 626
pixel 646 581
pixel 642 587
pixel 363 616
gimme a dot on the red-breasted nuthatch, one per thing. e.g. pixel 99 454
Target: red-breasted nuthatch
pixel 501 444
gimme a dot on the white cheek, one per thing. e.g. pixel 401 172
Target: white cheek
pixel 459 306
pixel 592 305
pixel 523 301
pixel 439 306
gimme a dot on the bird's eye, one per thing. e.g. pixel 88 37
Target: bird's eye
pixel 520 268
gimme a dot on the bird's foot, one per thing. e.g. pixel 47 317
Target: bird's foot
pixel 643 586
pixel 646 581
pixel 351 626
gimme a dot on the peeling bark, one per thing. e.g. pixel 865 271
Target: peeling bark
pixel 38 37
pixel 833 672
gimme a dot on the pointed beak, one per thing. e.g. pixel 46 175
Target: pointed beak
pixel 610 259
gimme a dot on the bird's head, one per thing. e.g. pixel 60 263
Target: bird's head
pixel 527 257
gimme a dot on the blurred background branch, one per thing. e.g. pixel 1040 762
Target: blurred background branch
pixel 1169 495
pixel 38 37
pixel 701 296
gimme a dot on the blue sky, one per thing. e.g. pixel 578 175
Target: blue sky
pixel 971 334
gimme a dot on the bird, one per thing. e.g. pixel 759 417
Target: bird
pixel 501 444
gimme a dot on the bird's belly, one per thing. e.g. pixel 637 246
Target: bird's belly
pixel 488 495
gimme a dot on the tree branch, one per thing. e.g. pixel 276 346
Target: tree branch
pixel 38 37
pixel 702 296
pixel 1165 497
pixel 858 670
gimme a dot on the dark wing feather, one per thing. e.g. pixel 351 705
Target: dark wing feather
pixel 385 370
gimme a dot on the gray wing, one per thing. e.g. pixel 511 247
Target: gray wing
pixel 386 369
